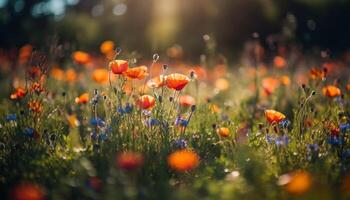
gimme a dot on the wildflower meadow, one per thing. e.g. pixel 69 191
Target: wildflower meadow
pixel 270 121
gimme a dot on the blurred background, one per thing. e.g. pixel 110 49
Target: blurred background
pixel 157 25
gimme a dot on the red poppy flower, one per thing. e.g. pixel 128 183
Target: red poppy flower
pixel 82 99
pixel 223 131
pixel 279 62
pixel 81 57
pixel 300 182
pixel 119 66
pixel 137 72
pixel 177 81
pixel 18 94
pixel 331 91
pixel 100 76
pixel 274 116
pixel 183 160
pixel 27 191
pixel 37 88
pixel 107 47
pixel 270 84
pixel 317 73
pixel 187 101
pixel 146 102
pixel 34 72
pixel 129 161
pixel 35 106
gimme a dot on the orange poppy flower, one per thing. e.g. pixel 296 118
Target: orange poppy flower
pixel 187 101
pixel 81 57
pixel 107 47
pixel 331 91
pixel 279 62
pixel 223 131
pixel 119 66
pixel 137 72
pixel 348 87
pixel 332 128
pixel 82 99
pixel 285 80
pixel 183 160
pixel 35 106
pixel 317 73
pixel 274 116
pixel 100 76
pixel 177 81
pixel 129 161
pixel 299 183
pixel 24 53
pixel 222 84
pixel 156 82
pixel 57 74
pixel 37 88
pixel 270 84
pixel 27 191
pixel 34 72
pixel 71 75
pixel 18 94
pixel 146 102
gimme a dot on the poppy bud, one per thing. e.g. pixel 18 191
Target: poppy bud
pixel 193 108
pixel 192 73
pixel 155 57
pixel 118 50
pixel 261 126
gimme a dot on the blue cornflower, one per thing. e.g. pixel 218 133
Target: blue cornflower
pixel 284 123
pixel 97 122
pixel 11 117
pixel 345 153
pixel 147 113
pixel 128 108
pixel 93 136
pixel 180 144
pixel 339 100
pixel 269 139
pixel 312 147
pixel 120 110
pixel 29 132
pixel 344 127
pixel 181 122
pixel 335 140
pixel 165 126
pixel 282 141
pixel 152 122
